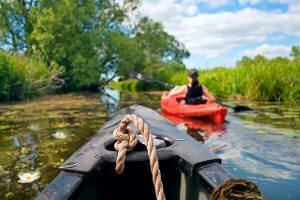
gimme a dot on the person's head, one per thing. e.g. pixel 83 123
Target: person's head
pixel 193 77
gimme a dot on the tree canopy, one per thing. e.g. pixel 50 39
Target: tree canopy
pixel 86 37
pixel 295 51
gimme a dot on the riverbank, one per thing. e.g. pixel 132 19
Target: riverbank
pixel 257 79
pixel 22 77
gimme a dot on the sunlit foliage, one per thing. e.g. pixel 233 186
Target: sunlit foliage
pixel 22 78
pixel 87 38
pixel 258 78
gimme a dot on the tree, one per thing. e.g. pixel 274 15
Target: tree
pixel 122 54
pixel 245 61
pixel 64 33
pixel 157 44
pixel 16 24
pixel 77 35
pixel 86 37
pixel 259 59
pixel 69 32
pixel 295 51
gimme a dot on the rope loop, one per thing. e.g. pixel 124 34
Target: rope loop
pixel 237 189
pixel 126 141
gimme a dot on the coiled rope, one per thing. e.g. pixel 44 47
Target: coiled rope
pixel 126 141
pixel 237 189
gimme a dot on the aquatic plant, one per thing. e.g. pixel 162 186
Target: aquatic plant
pixel 28 177
pixel 34 127
pixel 59 135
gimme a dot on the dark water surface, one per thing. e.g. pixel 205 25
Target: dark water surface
pixel 37 136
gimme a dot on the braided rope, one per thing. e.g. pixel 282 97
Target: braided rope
pixel 237 189
pixel 126 141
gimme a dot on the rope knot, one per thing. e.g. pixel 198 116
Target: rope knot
pixel 126 141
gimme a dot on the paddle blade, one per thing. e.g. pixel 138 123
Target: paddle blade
pixel 241 108
pixel 141 77
pixel 235 108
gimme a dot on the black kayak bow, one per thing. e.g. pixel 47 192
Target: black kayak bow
pixel 146 79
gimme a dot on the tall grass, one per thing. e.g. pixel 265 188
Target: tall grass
pixel 21 77
pixel 259 79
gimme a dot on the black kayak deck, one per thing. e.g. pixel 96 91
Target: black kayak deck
pixel 181 152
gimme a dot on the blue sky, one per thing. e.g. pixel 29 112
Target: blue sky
pixel 220 32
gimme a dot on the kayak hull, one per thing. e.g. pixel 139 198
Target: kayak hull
pixel 173 106
pixel 188 169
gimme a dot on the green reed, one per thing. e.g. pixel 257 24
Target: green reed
pixel 22 77
pixel 264 80
pixel 257 79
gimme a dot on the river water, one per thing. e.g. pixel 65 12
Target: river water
pixel 262 146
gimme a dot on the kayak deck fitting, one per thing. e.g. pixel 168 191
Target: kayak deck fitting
pixel 187 168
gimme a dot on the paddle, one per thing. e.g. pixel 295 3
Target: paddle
pixel 150 80
pixel 146 79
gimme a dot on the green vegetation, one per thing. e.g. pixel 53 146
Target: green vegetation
pixel 260 79
pixel 87 38
pixel 257 79
pixel 67 45
pixel 295 53
pixel 22 78
pixel 135 86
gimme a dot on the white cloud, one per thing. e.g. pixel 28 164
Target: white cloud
pixel 214 34
pixel 160 10
pixel 191 10
pixel 269 51
pixel 278 38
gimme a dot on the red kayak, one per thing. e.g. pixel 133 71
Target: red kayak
pixel 172 105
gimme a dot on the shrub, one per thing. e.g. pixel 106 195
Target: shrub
pixel 21 77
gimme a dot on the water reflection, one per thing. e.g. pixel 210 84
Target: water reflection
pixel 262 146
pixel 270 160
pixel 28 147
pixel 110 99
pixel 199 129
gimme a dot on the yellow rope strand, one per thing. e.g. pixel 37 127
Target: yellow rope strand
pixel 237 189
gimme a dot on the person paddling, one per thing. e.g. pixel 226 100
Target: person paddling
pixel 195 93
